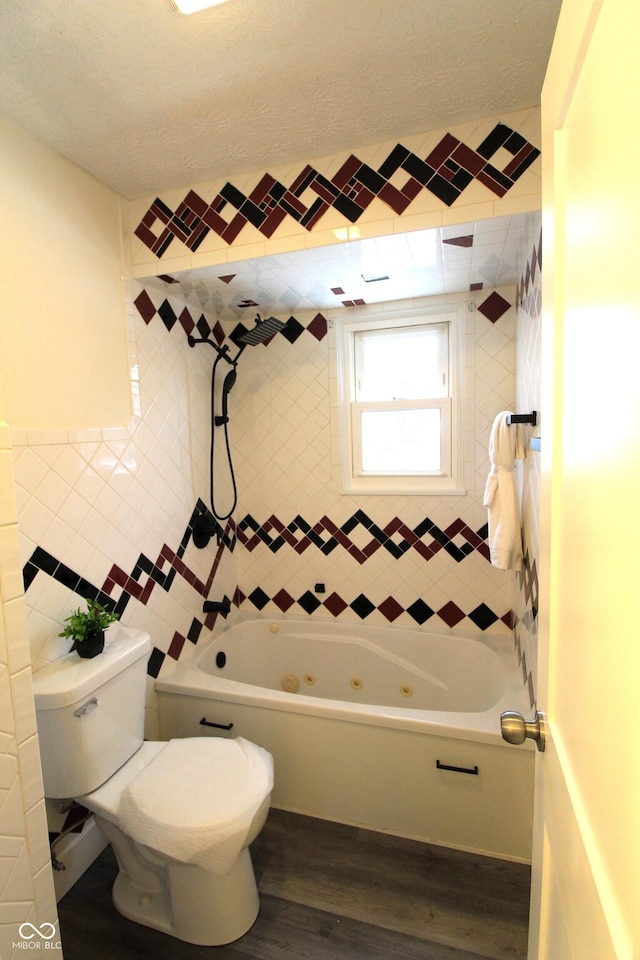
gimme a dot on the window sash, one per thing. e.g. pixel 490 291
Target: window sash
pixel 364 383
pixel 358 410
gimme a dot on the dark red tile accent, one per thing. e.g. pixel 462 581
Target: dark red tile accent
pixel 175 649
pixel 443 151
pixel 145 307
pixel 186 321
pixel 318 327
pixel 494 307
pixel 394 199
pixel 521 155
pixel 283 600
pixel 451 614
pixel 468 159
pixel 348 169
pixel 390 609
pixel 231 232
pixel 460 241
pixel 335 604
pixel 487 181
pixel 411 189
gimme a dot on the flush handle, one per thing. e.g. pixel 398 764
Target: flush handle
pixel 515 729
pixel 88 705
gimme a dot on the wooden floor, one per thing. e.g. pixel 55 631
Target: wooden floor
pixel 331 892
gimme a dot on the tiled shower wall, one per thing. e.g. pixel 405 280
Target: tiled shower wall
pixel 528 385
pixel 305 547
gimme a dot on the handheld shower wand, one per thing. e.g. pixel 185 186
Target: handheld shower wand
pixel 262 331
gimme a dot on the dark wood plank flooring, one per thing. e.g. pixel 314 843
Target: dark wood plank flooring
pixel 331 892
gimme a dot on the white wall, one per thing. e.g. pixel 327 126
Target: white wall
pixel 62 344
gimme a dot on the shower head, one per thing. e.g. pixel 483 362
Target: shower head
pixel 227 385
pixel 263 330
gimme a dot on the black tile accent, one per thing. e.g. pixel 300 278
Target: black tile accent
pixel 362 606
pixel 514 142
pixel 498 176
pixel 498 136
pixel 155 662
pixel 420 611
pixel 395 159
pixel 44 561
pixel 162 249
pixel 259 598
pixel 483 616
pixel 326 185
pixel 67 576
pixel 292 330
pixel 302 186
pixel 253 213
pixel 526 163
pixel 371 180
pixel 314 209
pixel 348 208
pixel 462 179
pixel 163 207
pixel 203 327
pixel 309 602
pixel 443 190
pixel 194 631
pixel 29 574
pixel 418 169
pixel 233 195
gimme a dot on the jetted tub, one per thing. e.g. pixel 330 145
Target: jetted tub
pixel 390 729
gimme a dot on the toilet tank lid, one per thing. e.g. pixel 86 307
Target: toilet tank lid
pixel 70 679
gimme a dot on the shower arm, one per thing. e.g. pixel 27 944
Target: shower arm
pixel 223 352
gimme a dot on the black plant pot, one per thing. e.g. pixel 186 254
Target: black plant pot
pixel 90 646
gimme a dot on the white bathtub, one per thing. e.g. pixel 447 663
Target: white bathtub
pixel 391 729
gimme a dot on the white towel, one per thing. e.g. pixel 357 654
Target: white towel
pixel 501 495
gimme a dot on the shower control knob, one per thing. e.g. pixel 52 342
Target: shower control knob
pixel 515 729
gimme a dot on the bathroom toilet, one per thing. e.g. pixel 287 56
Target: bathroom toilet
pixel 180 815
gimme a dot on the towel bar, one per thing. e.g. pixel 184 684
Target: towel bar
pixel 531 418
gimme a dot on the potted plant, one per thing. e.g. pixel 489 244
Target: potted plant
pixel 86 628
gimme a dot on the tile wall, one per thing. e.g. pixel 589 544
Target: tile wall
pixel 418 562
pixel 26 887
pixel 528 382
pixel 107 513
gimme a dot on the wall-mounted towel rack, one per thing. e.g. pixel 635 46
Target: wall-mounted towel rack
pixel 531 418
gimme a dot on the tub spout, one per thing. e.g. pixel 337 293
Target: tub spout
pixel 217 606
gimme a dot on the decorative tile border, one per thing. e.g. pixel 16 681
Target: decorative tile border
pixel 451 614
pixel 139 583
pixel 300 535
pixel 446 172
pixel 147 575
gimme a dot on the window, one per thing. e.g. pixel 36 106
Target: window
pixel 398 380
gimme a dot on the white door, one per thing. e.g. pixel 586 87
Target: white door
pixel 586 873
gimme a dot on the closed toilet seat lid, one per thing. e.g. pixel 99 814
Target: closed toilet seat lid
pixel 196 800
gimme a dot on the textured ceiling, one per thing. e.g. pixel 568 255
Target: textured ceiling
pixel 488 253
pixel 147 99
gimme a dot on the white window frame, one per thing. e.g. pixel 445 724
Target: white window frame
pixel 353 478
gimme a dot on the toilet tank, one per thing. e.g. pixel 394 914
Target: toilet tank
pixel 90 713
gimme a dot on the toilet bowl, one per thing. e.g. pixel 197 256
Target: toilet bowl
pixel 180 815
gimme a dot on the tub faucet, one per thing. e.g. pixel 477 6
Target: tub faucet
pixel 218 606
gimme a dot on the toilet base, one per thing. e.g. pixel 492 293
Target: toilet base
pixel 182 899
